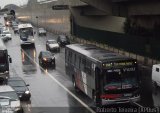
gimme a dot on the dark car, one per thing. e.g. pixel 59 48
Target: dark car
pixel 15 29
pixel 19 85
pixel 52 45
pixel 46 58
pixel 42 31
pixel 63 40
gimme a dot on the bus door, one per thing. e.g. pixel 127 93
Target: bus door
pixel 97 86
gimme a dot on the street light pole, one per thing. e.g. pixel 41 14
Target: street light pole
pixel 37 21
pixel 37 24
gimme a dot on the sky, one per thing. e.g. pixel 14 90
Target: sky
pixel 17 2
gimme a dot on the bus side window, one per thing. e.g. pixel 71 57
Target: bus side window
pixel 80 63
pixel 88 67
pixel 83 65
pixel 70 57
pixel 75 59
pixel 67 57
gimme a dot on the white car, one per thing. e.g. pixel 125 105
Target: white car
pixel 52 45
pixel 7 92
pixel 6 35
pixel 42 31
pixel 5 103
pixel 156 75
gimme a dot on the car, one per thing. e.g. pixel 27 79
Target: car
pixel 63 40
pixel 19 85
pixel 46 58
pixel 5 102
pixel 15 29
pixel 7 92
pixel 6 35
pixel 155 75
pixel 52 45
pixel 42 31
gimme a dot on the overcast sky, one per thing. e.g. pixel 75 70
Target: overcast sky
pixel 17 2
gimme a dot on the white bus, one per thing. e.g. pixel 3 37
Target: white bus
pixel 26 33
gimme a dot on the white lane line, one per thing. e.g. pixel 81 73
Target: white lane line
pixel 53 78
pixel 138 104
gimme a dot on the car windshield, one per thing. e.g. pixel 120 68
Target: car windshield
pixel 41 29
pixel 63 38
pixel 52 42
pixel 18 83
pixel 47 54
pixel 10 94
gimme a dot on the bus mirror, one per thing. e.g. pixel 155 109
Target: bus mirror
pixel 10 60
pixel 34 32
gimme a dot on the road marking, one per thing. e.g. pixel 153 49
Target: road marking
pixel 67 90
pixel 138 104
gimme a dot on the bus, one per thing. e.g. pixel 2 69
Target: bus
pixel 106 77
pixel 5 59
pixel 26 33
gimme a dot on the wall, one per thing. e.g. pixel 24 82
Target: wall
pixel 52 20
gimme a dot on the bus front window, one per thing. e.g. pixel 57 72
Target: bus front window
pixel 112 80
pixel 120 80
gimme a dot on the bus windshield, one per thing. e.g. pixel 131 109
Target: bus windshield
pixel 28 31
pixel 120 80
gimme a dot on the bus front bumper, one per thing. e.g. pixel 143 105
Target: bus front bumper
pixel 4 75
pixel 27 42
pixel 120 101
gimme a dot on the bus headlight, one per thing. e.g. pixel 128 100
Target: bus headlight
pixel 32 39
pixel 44 59
pixel 6 72
pixel 26 92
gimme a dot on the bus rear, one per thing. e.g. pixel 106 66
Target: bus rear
pixel 119 82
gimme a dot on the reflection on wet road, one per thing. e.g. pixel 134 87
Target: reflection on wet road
pixel 28 60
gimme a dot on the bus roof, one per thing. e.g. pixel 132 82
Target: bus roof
pixel 97 53
pixel 2 46
pixel 24 25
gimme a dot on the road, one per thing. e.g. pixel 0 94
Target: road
pixel 52 91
